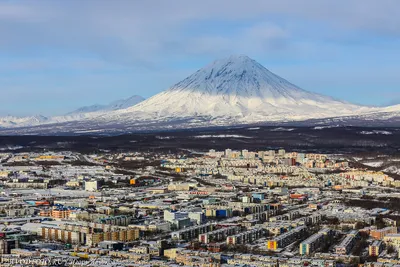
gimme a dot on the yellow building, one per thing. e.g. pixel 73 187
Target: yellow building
pixel 160 190
pixel 4 174
pixel 375 248
pixel 49 157
pixel 210 212
pixel 272 245
pixel 179 187
pixel 72 183
pixel 77 234
pixel 396 183
pixel 392 239
pixel 172 253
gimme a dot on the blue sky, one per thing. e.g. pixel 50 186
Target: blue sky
pixel 56 56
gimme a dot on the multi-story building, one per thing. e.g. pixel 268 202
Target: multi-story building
pixel 7 244
pixel 170 216
pixel 218 235
pixel 121 220
pixel 245 237
pixel 197 217
pixel 379 234
pixel 16 212
pixel 347 243
pixel 218 212
pixel 309 245
pixel 89 235
pixel 60 213
pixel 375 248
pixel 192 232
pixel 287 238
pixel 198 259
pixel 392 239
pixel 389 221
pixel 49 158
pixel 91 185
pixel 31 184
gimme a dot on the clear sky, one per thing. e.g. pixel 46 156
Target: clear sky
pixel 56 56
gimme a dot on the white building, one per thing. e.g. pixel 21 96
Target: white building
pixel 91 186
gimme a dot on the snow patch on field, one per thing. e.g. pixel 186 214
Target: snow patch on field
pixel 221 136
pixel 325 127
pixel 10 148
pixel 392 169
pixel 163 137
pixel 89 131
pixel 376 132
pixel 281 129
pixel 374 164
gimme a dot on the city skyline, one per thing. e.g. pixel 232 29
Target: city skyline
pixel 214 133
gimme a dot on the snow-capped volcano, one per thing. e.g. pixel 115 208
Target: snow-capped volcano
pixel 241 88
pixel 232 91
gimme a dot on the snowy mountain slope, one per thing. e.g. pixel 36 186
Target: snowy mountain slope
pixel 13 121
pixel 86 109
pixel 88 112
pixel 115 105
pixel 395 108
pixel 125 103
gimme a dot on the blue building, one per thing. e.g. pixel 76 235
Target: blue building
pixel 258 196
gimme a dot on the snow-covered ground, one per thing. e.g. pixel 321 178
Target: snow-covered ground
pixel 221 136
pixel 325 127
pixel 374 163
pixel 392 169
pixel 281 129
pixel 376 132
